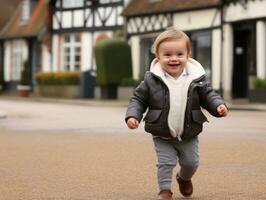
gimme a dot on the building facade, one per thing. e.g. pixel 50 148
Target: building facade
pixel 25 38
pixel 76 27
pixel 228 37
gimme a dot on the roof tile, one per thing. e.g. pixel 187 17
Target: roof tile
pixel 143 7
pixel 14 29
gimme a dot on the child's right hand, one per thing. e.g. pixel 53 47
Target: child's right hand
pixel 132 123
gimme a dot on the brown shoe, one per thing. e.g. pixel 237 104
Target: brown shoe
pixel 185 187
pixel 165 195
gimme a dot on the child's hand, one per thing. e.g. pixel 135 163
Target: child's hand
pixel 222 110
pixel 132 123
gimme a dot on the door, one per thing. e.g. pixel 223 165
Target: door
pixel 242 55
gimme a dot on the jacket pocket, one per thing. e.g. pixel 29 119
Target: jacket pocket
pixel 152 116
pixel 199 117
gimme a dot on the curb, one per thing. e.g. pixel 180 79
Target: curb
pixel 247 107
pixel 2 115
pixel 119 103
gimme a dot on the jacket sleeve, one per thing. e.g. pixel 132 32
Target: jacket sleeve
pixel 209 99
pixel 139 102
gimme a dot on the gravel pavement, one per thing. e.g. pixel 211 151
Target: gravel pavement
pixel 71 152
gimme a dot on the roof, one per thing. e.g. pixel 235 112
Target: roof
pixel 7 11
pixel 35 25
pixel 144 7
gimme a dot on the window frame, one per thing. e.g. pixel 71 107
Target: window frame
pixel 17 61
pixel 70 53
pixel 72 3
pixel 195 53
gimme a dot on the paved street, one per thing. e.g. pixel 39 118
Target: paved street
pixel 53 151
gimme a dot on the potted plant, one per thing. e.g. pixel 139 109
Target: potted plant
pixel 58 84
pixel 126 88
pixel 1 75
pixel 1 79
pixel 25 82
pixel 258 94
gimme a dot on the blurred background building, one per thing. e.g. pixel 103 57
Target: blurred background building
pixel 228 36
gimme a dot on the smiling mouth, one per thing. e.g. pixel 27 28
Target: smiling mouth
pixel 174 65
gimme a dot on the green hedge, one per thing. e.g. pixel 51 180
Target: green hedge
pixel 129 82
pixel 1 76
pixel 113 60
pixel 259 83
pixel 26 77
pixel 58 78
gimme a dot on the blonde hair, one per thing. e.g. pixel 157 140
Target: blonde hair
pixel 170 34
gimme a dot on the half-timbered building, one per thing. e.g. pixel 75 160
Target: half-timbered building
pixel 25 38
pixel 5 15
pixel 76 27
pixel 228 37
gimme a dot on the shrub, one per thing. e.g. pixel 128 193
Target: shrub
pixel 1 76
pixel 259 83
pixel 113 60
pixel 58 78
pixel 26 78
pixel 129 82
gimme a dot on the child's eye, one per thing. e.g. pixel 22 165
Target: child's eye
pixel 167 54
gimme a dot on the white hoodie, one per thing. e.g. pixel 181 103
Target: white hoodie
pixel 178 90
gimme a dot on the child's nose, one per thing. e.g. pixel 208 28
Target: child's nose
pixel 173 57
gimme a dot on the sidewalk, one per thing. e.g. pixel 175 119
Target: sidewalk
pixel 2 114
pixel 239 104
pixel 244 104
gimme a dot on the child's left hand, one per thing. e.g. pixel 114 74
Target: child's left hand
pixel 222 110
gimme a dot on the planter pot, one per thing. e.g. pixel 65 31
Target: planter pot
pixel 24 90
pixel 125 92
pixel 59 91
pixel 109 92
pixel 257 95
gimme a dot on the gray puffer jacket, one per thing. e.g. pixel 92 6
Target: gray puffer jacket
pixel 153 93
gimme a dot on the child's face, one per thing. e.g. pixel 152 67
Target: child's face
pixel 173 56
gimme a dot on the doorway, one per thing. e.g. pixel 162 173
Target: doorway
pixel 244 59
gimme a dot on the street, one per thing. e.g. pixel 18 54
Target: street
pixel 55 151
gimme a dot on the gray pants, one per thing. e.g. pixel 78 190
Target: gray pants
pixel 169 152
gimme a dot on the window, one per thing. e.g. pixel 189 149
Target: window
pixel 72 3
pixel 154 1
pixel 146 55
pixel 201 49
pixel 16 61
pixel 71 52
pixel 25 11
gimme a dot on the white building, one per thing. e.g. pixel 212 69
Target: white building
pixel 228 37
pixel 77 26
pixel 25 38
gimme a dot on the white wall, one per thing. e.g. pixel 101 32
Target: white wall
pixel 7 61
pixel 87 51
pixel 261 49
pixel 8 55
pixel 252 9
pixel 135 52
pixel 55 53
pixel 112 15
pixel 197 19
pixel 228 60
pixel 46 59
pixel 216 58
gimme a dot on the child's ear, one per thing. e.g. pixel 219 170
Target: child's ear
pixel 157 56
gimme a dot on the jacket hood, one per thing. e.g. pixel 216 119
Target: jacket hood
pixel 193 68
